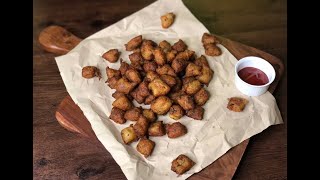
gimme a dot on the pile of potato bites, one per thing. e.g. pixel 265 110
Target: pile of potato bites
pixel 169 78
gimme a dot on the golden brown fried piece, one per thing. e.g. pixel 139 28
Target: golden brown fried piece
pixel 133 114
pixel 179 65
pixel 122 103
pixel 117 94
pixel 117 115
pixel 157 129
pixel 212 50
pixel 169 80
pixel 177 86
pixel 182 164
pixel 149 114
pixel 192 87
pixel 112 82
pixel 167 20
pixel 149 99
pixel 123 67
pixel 208 39
pixel 237 104
pixel 150 66
pixel 201 61
pixel 136 58
pixel 141 126
pixel 136 96
pixel 151 75
pixel 148 42
pixel 143 89
pixel 175 95
pixel 128 135
pixel 136 66
pixel 147 52
pixel 145 146
pixel 166 69
pixel 133 75
pixel 165 46
pixel 171 55
pixel 159 56
pixel 206 75
pixel 185 55
pixel 90 72
pixel 134 43
pixel 112 72
pixel 186 102
pixel 123 85
pixel 192 70
pixel 186 80
pixel 112 55
pixel 161 105
pixel 196 113
pixel 201 97
pixel 176 112
pixel 176 130
pixel 158 87
pixel 179 46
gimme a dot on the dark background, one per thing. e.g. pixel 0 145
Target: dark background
pixel 59 154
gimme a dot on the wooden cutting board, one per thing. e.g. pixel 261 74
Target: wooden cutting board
pixel 58 40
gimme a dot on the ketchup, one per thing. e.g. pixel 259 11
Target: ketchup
pixel 253 76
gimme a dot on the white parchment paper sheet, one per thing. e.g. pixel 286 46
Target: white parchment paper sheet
pixel 206 140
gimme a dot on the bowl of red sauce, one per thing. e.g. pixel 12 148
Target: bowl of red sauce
pixel 253 75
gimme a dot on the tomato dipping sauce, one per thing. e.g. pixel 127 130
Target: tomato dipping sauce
pixel 253 76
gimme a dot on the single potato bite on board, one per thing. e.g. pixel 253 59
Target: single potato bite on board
pixel 182 164
pixel 237 104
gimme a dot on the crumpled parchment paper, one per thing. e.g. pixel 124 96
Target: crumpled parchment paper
pixel 206 140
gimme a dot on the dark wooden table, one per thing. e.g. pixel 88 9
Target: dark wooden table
pixel 60 154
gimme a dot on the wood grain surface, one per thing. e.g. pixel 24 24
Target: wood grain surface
pixel 59 154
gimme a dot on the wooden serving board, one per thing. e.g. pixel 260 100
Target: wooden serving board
pixel 58 40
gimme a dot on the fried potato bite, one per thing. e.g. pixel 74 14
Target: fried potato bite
pixel 212 50
pixel 112 72
pixel 192 87
pixel 145 146
pixel 169 80
pixel 176 130
pixel 136 96
pixel 143 89
pixel 176 112
pixel 192 70
pixel 122 103
pixel 179 46
pixel 112 55
pixel 196 113
pixel 208 39
pixel 167 20
pixel 123 85
pixel 147 52
pixel 133 114
pixel 150 66
pixel 112 82
pixel 149 114
pixel 171 55
pixel 117 115
pixel 237 104
pixel 186 102
pixel 158 87
pixel 133 75
pixel 179 65
pixel 134 43
pixel 185 55
pixel 136 58
pixel 128 135
pixel 151 75
pixel 161 105
pixel 90 72
pixel 141 126
pixel 117 94
pixel 159 56
pixel 182 164
pixel 165 46
pixel 201 97
pixel 175 95
pixel 149 99
pixel 156 129
pixel 201 61
pixel 206 75
pixel 177 86
pixel 166 69
pixel 123 67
